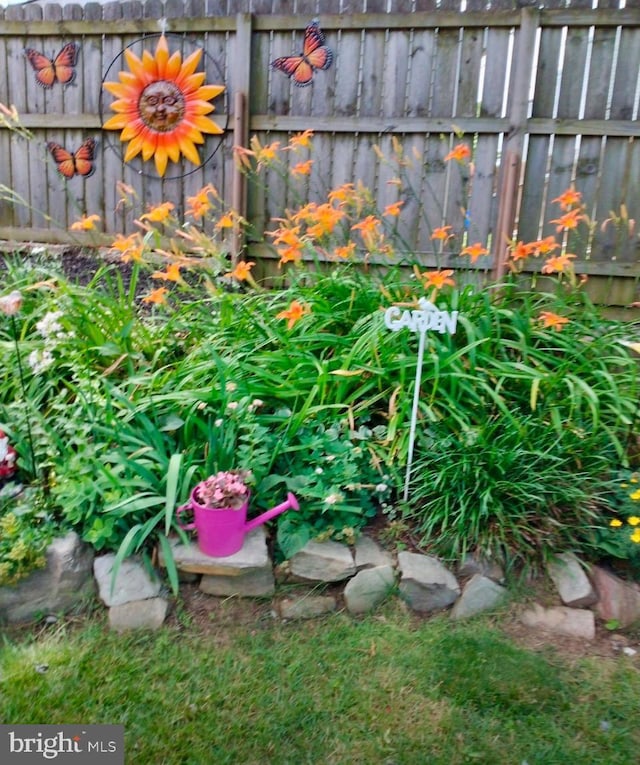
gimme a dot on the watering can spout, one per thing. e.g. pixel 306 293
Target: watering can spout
pixel 290 503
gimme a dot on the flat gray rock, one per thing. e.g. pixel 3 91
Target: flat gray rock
pixel 251 584
pixel 571 581
pixel 148 614
pixel 64 582
pixel 561 620
pixel 369 554
pixel 323 562
pixel 425 583
pixel 478 564
pixel 306 606
pixel 368 589
pixel 253 556
pixel 132 581
pixel 479 594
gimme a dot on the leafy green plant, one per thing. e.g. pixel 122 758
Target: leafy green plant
pixel 333 471
pixel 510 488
pixel 617 537
pixel 26 529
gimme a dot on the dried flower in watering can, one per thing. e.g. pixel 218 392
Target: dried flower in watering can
pixel 227 489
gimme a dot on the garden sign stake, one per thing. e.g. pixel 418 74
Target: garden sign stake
pixel 424 318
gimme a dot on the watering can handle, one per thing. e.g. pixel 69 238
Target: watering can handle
pixel 179 511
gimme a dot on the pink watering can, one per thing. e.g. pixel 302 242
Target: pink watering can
pixel 221 531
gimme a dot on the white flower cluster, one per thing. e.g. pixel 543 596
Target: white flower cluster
pixel 53 333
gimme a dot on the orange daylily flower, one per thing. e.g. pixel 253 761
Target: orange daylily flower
pixel 158 214
pixel 159 296
pixel 301 140
pixel 294 313
pixel 393 209
pixel 342 194
pixel 441 233
pixel 545 246
pixel 325 219
pixel 265 155
pixel 475 251
pixel 160 106
pixel 346 251
pixel 438 279
pixel 569 220
pixel 201 203
pixel 568 198
pixel 86 223
pixel 302 168
pixel 242 271
pixel 225 221
pixel 288 236
pixel 172 274
pixel 130 247
pixel 460 152
pixel 551 320
pixel 290 254
pixel 557 264
pixel 369 229
pixel 521 251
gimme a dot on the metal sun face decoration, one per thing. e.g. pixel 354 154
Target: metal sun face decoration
pixel 161 106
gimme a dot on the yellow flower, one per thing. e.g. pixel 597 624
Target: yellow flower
pixel 294 313
pixel 226 221
pixel 635 537
pixel 158 214
pixel 635 495
pixel 86 223
pixel 160 106
pixel 301 140
pixel 633 520
pixel 616 523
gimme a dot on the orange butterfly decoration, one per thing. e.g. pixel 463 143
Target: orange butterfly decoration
pixel 69 164
pixel 59 69
pixel 315 55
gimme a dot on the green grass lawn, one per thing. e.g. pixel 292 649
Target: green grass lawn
pixel 386 689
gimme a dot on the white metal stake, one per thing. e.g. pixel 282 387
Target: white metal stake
pixel 414 414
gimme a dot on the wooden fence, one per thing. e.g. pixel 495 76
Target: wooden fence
pixel 545 97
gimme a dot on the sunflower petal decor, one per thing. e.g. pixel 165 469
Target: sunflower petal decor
pixel 160 106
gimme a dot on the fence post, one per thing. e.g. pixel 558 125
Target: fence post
pixel 242 69
pixel 511 162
